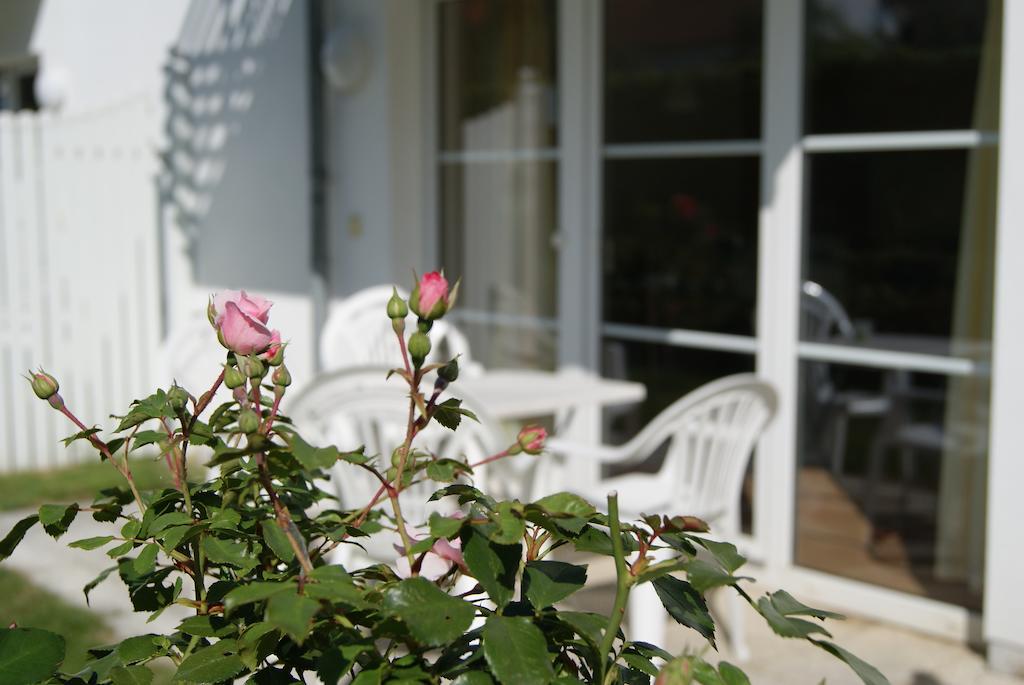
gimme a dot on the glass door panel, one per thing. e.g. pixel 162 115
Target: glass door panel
pixel 680 188
pixel 498 138
pixel 896 301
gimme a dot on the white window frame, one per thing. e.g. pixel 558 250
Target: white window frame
pixel 776 344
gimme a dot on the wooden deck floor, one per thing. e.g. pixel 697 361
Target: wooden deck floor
pixel 834 535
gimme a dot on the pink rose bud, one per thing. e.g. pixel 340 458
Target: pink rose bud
pixel 240 332
pixel 275 353
pixel 531 439
pixel 429 298
pixel 44 385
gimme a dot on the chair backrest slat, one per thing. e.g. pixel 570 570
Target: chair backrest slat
pixel 711 434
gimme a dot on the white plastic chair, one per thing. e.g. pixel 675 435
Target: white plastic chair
pixel 349 408
pixel 191 355
pixel 358 333
pixel 707 437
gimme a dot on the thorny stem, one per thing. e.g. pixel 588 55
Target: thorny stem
pixel 204 401
pixel 284 517
pixel 623 582
pixel 123 469
pixel 410 432
pixel 494 457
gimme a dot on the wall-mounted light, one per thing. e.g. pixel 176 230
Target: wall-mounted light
pixel 344 59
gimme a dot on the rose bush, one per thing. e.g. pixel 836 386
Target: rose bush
pixel 477 598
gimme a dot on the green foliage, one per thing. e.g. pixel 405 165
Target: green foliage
pixel 249 551
pixel 29 606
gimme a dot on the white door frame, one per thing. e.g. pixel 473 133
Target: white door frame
pixel 778 350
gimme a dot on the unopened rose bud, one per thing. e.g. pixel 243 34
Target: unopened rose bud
pixel 531 439
pixel 177 397
pixel 275 353
pixel 248 421
pixel 397 308
pixel 419 347
pixel 44 385
pixel 281 376
pixel 450 371
pixel 233 378
pixel 429 298
pixel 251 366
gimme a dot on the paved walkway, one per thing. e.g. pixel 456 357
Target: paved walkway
pixel 50 564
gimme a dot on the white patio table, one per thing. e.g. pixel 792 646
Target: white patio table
pixel 524 393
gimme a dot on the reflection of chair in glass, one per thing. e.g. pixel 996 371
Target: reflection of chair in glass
pixel 707 438
pixel 358 407
pixel 359 333
pixel 829 409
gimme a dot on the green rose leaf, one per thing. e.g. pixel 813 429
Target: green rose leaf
pixel 493 565
pixel 278 541
pixel 432 616
pixel 865 671
pixel 135 649
pixel 253 592
pixel 516 651
pixel 548 582
pixel 91 543
pixel 567 504
pixel 146 561
pixel 732 675
pixel 211 664
pixel 28 655
pixel 787 626
pixel 788 606
pixel 57 518
pixel 292 613
pixel 91 585
pixel 16 535
pixel 685 605
pixel 312 458
pixel 444 526
pixel 131 675
pixel 227 552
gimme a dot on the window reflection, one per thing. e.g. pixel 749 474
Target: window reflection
pixel 899 247
pixel 680 243
pixel 498 74
pixel 682 70
pixel 497 226
pixel 891 478
pixel 896 65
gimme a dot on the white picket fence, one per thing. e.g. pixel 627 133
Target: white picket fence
pixel 79 271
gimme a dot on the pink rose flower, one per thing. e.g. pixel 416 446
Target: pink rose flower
pixel 431 296
pixel 240 321
pixel 531 439
pixel 251 305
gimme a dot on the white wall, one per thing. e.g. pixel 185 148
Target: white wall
pixel 376 133
pixel 236 199
pixel 111 49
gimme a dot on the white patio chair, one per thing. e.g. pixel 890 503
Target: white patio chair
pixel 356 407
pixel 358 333
pixel 707 438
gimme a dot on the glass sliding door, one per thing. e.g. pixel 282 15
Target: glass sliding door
pixel 900 103
pixel 680 182
pixel 498 174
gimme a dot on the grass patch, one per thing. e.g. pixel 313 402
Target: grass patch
pixel 29 606
pixel 79 483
